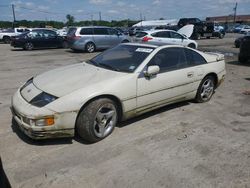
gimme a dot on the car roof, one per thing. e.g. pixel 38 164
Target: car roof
pixel 153 45
pixel 77 27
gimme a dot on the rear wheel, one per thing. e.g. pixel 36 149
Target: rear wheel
pixel 90 47
pixel 97 120
pixel 191 45
pixel 6 39
pixel 28 46
pixel 206 89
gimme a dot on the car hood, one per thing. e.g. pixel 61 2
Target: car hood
pixel 187 30
pixel 62 81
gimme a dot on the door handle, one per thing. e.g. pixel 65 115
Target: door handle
pixel 190 74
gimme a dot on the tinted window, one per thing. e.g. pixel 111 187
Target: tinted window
pixel 100 31
pixel 86 31
pixel 169 59
pixel 162 34
pixel 175 35
pixel 113 32
pixel 19 30
pixel 48 33
pixel 193 58
pixel 35 34
pixel 123 58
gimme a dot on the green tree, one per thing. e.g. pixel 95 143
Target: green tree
pixel 70 20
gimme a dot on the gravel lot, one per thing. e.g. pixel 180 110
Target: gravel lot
pixel 184 145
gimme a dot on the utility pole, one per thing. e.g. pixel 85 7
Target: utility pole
pixel 14 15
pixel 235 11
pixel 141 18
pixel 100 16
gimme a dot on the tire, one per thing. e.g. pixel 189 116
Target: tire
pixel 242 59
pixel 221 36
pixel 97 120
pixel 192 45
pixel 206 89
pixel 28 46
pixel 6 39
pixel 90 47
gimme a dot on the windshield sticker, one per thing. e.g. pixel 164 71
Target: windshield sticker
pixel 146 50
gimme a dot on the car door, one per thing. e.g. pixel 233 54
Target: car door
pixel 101 37
pixel 36 38
pixel 114 37
pixel 161 37
pixel 50 38
pixel 178 39
pixel 174 81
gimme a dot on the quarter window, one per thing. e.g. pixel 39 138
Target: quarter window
pixel 193 58
pixel 169 59
pixel 86 31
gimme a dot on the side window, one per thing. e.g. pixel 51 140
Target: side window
pixel 86 31
pixel 100 31
pixel 113 32
pixel 193 58
pixel 47 33
pixel 169 59
pixel 175 35
pixel 162 34
pixel 35 34
pixel 19 30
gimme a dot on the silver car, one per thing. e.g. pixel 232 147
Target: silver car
pixel 94 38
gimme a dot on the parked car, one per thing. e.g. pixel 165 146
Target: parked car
pixel 244 54
pixel 245 29
pixel 133 30
pixel 94 37
pixel 238 28
pixel 202 28
pixel 6 34
pixel 165 37
pixel 37 38
pixel 130 79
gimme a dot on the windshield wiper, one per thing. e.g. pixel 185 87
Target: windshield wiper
pixel 108 66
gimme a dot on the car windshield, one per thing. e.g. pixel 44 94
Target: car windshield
pixel 122 58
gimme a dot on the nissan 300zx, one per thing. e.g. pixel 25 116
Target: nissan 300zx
pixel 90 98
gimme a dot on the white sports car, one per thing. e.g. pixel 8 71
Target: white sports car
pixel 130 79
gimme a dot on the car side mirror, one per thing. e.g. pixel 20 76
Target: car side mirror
pixel 152 71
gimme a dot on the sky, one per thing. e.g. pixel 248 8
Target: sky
pixel 119 9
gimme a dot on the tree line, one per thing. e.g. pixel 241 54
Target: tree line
pixel 70 22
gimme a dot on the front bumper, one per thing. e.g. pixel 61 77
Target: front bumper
pixel 23 112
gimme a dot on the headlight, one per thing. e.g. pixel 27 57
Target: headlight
pixel 42 99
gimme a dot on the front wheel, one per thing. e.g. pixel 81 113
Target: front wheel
pixel 28 46
pixel 206 89
pixel 191 45
pixel 90 47
pixel 97 120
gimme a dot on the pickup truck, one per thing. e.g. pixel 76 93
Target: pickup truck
pixel 203 29
pixel 5 35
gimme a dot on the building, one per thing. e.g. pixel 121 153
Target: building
pixel 230 19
